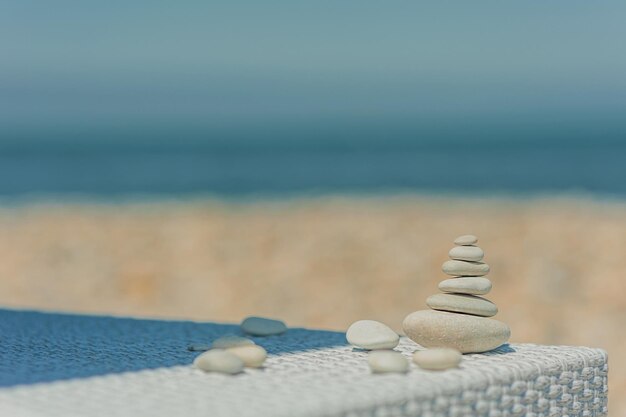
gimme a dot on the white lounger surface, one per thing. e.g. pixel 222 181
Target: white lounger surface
pixel 74 365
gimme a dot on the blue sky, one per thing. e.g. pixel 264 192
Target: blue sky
pixel 76 65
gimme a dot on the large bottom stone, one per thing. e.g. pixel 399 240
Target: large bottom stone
pixel 467 334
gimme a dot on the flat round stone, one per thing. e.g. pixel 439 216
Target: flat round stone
pixel 370 334
pixel 383 361
pixel 465 268
pixel 466 285
pixel 259 326
pixel 462 303
pixel 252 356
pixel 466 253
pixel 437 359
pixel 466 240
pixel 229 341
pixel 219 360
pixel 465 333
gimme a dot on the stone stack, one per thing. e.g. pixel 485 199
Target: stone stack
pixel 461 293
pixel 459 316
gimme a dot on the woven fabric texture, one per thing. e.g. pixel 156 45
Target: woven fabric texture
pixel 68 365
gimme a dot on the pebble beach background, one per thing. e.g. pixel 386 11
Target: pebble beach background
pixel 556 263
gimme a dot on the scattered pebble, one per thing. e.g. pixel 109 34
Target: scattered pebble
pixel 464 268
pixel 383 361
pixel 463 332
pixel 467 253
pixel 371 335
pixel 198 348
pixel 466 240
pixel 219 360
pixel 462 303
pixel 253 356
pixel 259 326
pixel 437 359
pixel 466 285
pixel 229 341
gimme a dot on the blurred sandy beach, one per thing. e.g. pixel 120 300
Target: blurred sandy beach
pixel 557 263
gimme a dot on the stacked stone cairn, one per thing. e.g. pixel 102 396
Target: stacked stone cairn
pixel 459 315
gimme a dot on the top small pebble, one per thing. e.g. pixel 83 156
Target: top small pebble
pixel 259 326
pixel 466 240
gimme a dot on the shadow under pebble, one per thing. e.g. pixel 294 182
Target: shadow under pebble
pixel 44 347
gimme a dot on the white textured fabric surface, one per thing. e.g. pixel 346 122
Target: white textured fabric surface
pixel 139 368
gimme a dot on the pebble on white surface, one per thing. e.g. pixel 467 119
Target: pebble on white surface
pixel 253 356
pixel 466 240
pixel 437 359
pixel 465 333
pixel 198 347
pixel 462 303
pixel 372 335
pixel 229 341
pixel 383 361
pixel 464 268
pixel 259 326
pixel 466 285
pixel 219 360
pixel 467 253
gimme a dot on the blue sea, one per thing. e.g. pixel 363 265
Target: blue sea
pixel 232 168
pixel 254 98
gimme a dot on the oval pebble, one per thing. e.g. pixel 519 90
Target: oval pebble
pixel 259 326
pixel 465 333
pixel 466 253
pixel 219 360
pixel 466 285
pixel 229 341
pixel 383 361
pixel 437 359
pixel 252 356
pixel 372 335
pixel 464 268
pixel 466 240
pixel 462 303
